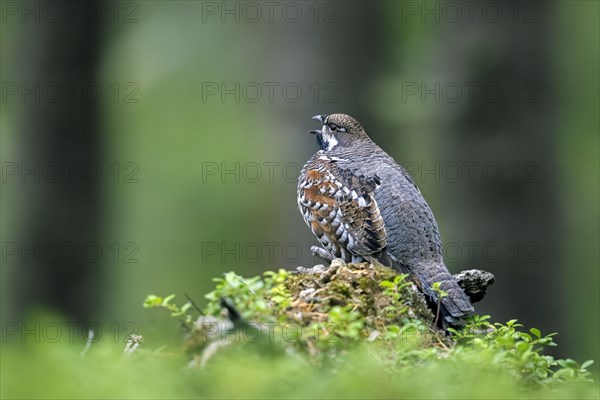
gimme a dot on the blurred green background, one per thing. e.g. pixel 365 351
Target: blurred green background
pixel 196 115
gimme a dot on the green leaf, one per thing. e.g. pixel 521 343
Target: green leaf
pixel 186 307
pixel 522 347
pixel 587 364
pixel 152 301
pixel 452 330
pixel 167 299
pixel 567 363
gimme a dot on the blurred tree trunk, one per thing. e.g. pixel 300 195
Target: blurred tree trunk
pixel 65 214
pixel 471 106
pixel 515 213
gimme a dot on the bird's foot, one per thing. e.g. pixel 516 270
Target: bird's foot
pixel 321 253
pixel 317 269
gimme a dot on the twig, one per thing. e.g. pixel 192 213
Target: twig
pixel 183 325
pixel 192 303
pixel 442 344
pixel 437 313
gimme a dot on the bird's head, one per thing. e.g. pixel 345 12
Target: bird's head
pixel 338 131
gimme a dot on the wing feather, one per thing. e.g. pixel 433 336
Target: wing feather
pixel 341 209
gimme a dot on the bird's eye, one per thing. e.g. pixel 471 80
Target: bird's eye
pixel 334 127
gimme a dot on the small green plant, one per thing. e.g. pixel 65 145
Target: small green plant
pixel 440 294
pixel 279 294
pixel 519 352
pixel 393 289
pixel 182 312
pixel 358 308
pixel 347 321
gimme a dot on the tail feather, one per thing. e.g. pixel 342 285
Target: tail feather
pixel 455 306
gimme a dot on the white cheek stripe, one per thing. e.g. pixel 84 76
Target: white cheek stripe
pixel 331 141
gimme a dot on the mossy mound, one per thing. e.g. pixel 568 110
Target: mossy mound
pixel 379 295
pixel 324 316
pixel 368 289
pixel 317 311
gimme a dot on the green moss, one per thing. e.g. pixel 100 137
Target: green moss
pixel 327 317
pixel 352 331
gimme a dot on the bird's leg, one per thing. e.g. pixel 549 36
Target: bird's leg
pixel 321 253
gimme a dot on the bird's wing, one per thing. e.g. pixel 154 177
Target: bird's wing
pixel 341 209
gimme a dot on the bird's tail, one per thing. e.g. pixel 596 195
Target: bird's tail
pixel 455 305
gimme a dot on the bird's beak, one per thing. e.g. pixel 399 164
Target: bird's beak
pixel 320 118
